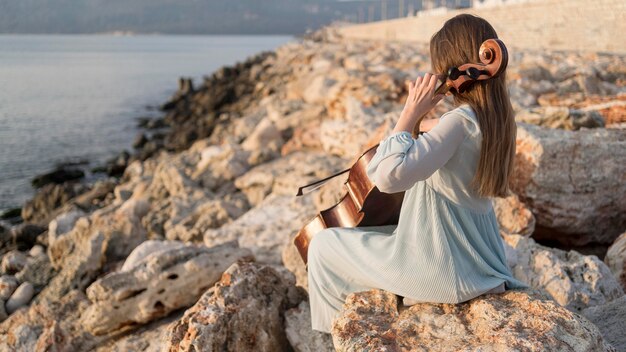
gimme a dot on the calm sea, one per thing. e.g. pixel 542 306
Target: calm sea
pixel 73 97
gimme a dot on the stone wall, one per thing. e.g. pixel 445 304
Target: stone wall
pixel 584 25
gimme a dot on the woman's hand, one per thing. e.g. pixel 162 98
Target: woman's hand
pixel 420 101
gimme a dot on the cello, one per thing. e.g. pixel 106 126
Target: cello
pixel 363 204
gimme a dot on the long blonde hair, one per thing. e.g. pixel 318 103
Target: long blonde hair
pixel 457 43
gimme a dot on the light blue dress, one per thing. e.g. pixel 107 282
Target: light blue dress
pixel 446 247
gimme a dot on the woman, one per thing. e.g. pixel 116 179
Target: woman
pixel 446 247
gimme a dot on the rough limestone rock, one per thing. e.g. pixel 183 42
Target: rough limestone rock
pixel 63 224
pixel 616 259
pixel 347 137
pixel 516 320
pixel 261 230
pixel 514 217
pixel 13 262
pixel 147 249
pixel 264 143
pixel 50 326
pixel 611 320
pixel 8 284
pixel 573 280
pixel 285 175
pixel 221 163
pixel 244 311
pixel 107 235
pixel 3 312
pixel 146 338
pixel 561 117
pixel 293 261
pixel 188 224
pixel 38 270
pixel 300 334
pixel 156 286
pixel 20 297
pixel 573 184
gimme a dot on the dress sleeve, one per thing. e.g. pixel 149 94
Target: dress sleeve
pixel 400 160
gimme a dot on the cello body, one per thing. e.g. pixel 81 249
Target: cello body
pixel 362 205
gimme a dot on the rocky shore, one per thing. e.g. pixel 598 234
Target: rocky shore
pixel 188 245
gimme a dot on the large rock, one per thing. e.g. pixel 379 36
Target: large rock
pixel 347 137
pixel 50 326
pixel 300 334
pixel 561 117
pixel 48 200
pixel 244 311
pixel 20 298
pixel 146 338
pixel 514 217
pixel 573 280
pixel 293 261
pixel 573 184
pixel 511 321
pixel 158 284
pixel 285 175
pixel 611 320
pixel 616 259
pixel 108 235
pixel 266 228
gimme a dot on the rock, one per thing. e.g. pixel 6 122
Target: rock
pixel 219 164
pixel 300 334
pixel 13 262
pixel 611 320
pixel 370 320
pixel 319 89
pixel 12 214
pixel 25 235
pixel 105 236
pixel 147 249
pixel 560 117
pixel 348 137
pixel 265 141
pixel 47 327
pixel 140 140
pixel 573 185
pixel 573 280
pixel 63 224
pixel 8 284
pixel 36 251
pixel 21 297
pixel 157 285
pixel 306 137
pixel 190 225
pixel 96 197
pixel 294 263
pixel 3 312
pixel 285 175
pixel 58 176
pixel 262 231
pixel 243 311
pixel 514 217
pixel 117 165
pixel 615 259
pixel 38 271
pixel 146 338
pixel 48 199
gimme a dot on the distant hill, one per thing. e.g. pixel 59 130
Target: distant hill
pixel 181 16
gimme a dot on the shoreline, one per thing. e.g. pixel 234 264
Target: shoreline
pixel 130 112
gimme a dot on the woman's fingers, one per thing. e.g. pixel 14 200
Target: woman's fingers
pixel 432 84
